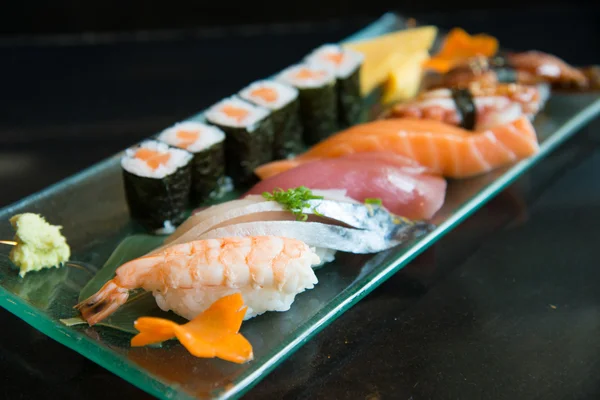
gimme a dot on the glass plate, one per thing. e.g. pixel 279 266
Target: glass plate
pixel 92 209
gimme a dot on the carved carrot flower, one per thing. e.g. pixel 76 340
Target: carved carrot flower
pixel 213 333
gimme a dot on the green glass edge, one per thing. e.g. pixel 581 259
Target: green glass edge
pixel 149 383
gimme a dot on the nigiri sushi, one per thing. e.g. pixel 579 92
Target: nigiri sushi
pixel 529 68
pixel 474 107
pixel 329 226
pixel 444 149
pixel 403 186
pixel 187 278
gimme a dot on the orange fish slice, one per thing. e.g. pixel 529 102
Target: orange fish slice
pixel 444 149
pixel 187 138
pixel 153 158
pixel 335 58
pixel 235 112
pixel 213 333
pixel 458 47
pixel 306 73
pixel 267 94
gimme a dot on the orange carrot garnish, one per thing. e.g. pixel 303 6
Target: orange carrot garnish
pixel 458 47
pixel 213 333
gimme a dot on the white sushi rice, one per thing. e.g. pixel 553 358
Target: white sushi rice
pixel 299 274
pixel 351 60
pixel 285 94
pixel 188 303
pixel 255 115
pixel 289 76
pixel 178 159
pixel 208 135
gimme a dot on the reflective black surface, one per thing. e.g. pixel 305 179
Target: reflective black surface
pixel 505 306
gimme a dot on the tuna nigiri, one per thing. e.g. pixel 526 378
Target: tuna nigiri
pixel 444 149
pixel 187 278
pixel 404 186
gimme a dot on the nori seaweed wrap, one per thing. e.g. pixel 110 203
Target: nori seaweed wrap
pixel 318 99
pixel 248 137
pixel 283 102
pixel 207 144
pixel 465 105
pixel 157 181
pixel 346 64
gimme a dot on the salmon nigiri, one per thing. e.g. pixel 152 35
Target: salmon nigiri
pixel 442 148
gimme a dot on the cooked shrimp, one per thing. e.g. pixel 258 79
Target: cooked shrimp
pixel 187 278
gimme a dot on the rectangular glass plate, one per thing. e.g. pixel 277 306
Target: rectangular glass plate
pixel 92 209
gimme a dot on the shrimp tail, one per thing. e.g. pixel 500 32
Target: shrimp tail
pixel 102 304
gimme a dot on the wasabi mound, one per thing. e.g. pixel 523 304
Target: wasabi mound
pixel 39 244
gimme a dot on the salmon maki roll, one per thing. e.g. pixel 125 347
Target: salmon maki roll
pixel 249 136
pixel 347 65
pixel 446 150
pixel 318 99
pixel 207 144
pixel 283 102
pixel 157 181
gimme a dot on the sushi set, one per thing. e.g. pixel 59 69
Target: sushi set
pixel 224 242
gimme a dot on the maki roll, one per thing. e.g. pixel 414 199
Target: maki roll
pixel 248 137
pixel 207 144
pixel 318 99
pixel 282 101
pixel 346 64
pixel 157 181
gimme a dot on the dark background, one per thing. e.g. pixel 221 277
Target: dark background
pixel 71 16
pixel 487 313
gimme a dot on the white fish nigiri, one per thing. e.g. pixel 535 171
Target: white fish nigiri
pixel 187 278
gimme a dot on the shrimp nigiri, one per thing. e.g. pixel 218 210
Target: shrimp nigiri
pixel 187 278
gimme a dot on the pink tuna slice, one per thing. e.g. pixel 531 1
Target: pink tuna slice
pixel 405 187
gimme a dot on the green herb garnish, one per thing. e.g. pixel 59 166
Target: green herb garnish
pixel 375 201
pixel 293 200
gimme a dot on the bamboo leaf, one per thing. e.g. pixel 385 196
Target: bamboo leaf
pixel 140 303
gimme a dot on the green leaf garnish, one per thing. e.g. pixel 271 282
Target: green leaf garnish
pixel 375 201
pixel 293 200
